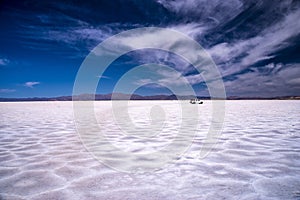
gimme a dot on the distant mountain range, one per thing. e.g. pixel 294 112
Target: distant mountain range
pixel 121 96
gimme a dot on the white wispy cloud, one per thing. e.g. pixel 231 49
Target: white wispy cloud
pixel 282 80
pixel 192 30
pixel 105 77
pixel 257 48
pixel 6 90
pixel 212 12
pixel 274 37
pixel 4 61
pixel 31 84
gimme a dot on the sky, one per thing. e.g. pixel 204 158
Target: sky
pixel 254 44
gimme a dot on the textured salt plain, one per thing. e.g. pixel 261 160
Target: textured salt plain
pixel 257 155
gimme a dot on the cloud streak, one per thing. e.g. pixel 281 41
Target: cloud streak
pixel 280 83
pixel 4 61
pixel 6 90
pixel 31 84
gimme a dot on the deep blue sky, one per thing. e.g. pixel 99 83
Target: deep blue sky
pixel 255 44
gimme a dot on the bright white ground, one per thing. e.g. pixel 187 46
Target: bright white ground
pixel 257 155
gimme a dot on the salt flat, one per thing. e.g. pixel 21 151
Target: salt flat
pixel 256 157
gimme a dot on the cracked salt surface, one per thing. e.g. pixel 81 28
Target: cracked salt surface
pixel 257 155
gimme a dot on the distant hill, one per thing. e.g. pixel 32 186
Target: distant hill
pixel 121 96
pixel 102 97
